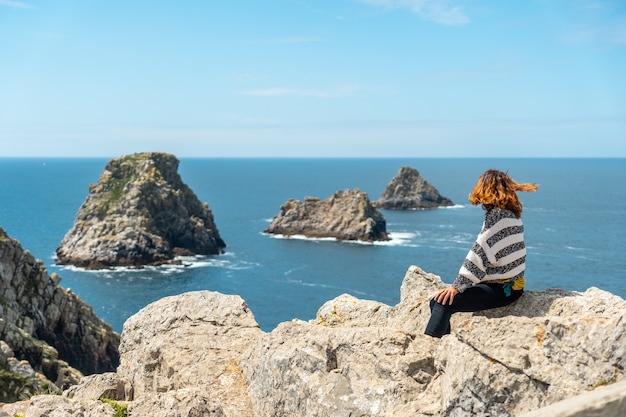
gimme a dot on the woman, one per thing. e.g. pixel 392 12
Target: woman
pixel 492 274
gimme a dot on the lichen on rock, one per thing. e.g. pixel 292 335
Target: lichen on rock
pixel 139 213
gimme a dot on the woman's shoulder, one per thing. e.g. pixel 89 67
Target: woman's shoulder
pixel 496 215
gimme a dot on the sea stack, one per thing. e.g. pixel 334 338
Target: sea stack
pixel 409 190
pixel 346 215
pixel 139 213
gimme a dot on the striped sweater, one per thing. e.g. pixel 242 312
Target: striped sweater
pixel 498 254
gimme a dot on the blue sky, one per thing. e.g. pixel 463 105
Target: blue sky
pixel 318 78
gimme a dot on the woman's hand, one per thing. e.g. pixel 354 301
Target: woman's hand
pixel 446 296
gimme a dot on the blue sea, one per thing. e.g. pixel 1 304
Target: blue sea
pixel 574 226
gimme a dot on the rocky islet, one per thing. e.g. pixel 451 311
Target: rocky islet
pixel 139 213
pixel 408 190
pixel 346 215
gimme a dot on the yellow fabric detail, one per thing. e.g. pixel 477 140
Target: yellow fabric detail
pixel 518 283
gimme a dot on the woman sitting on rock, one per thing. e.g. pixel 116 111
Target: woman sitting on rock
pixel 492 274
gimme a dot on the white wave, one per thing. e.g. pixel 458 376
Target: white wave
pixel 309 284
pixel 461 239
pixel 399 239
pixel 292 270
pixel 396 239
pixel 453 207
pixel 186 262
pixel 299 237
pixel 573 248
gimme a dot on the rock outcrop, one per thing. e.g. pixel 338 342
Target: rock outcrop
pixel 202 353
pixel 346 215
pixel 139 213
pixel 49 337
pixel 409 190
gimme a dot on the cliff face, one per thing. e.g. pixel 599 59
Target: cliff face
pixel 202 353
pixel 139 213
pixel 346 215
pixel 409 190
pixel 48 336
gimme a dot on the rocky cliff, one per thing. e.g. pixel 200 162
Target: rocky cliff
pixel 409 190
pixel 139 213
pixel 346 215
pixel 202 353
pixel 49 337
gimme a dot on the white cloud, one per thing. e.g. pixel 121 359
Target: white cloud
pixel 15 4
pixel 439 11
pixel 339 91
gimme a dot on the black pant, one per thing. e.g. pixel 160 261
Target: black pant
pixel 475 298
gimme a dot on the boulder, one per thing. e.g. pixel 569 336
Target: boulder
pixel 181 356
pixel 346 215
pixel 546 347
pixel 49 338
pixel 56 405
pixel 139 213
pixel 605 401
pixel 202 353
pixel 409 190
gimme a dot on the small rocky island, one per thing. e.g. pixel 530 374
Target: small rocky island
pixel 139 213
pixel 346 215
pixel 409 190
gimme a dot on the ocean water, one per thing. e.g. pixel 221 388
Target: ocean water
pixel 574 225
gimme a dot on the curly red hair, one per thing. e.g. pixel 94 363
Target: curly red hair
pixel 495 188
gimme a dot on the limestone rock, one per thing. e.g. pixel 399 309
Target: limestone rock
pixel 185 402
pixel 139 213
pixel 346 215
pixel 194 340
pixel 546 347
pixel 49 337
pixel 202 353
pixel 606 401
pixel 107 385
pixel 409 190
pixel 302 369
pixel 56 405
